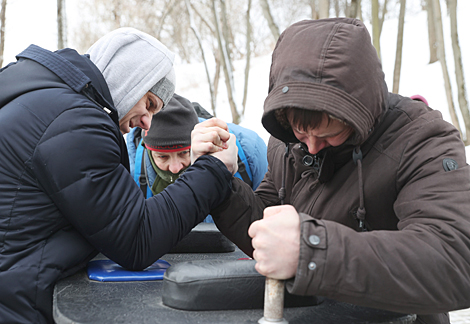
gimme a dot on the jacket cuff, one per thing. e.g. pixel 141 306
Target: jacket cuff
pixel 312 257
pixel 219 165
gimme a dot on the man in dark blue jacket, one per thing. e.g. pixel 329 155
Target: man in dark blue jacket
pixel 65 189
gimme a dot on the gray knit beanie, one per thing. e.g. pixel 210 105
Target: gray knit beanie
pixel 171 128
pixel 132 63
pixel 165 88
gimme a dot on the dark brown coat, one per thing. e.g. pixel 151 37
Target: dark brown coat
pixel 415 255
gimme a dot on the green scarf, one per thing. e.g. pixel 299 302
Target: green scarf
pixel 163 178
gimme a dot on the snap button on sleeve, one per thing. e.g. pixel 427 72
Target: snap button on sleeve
pixel 314 239
pixel 285 89
pixel 312 265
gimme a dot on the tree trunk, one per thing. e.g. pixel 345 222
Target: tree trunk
pixel 376 26
pixel 2 29
pixel 431 32
pixel 313 8
pixel 462 98
pixel 216 74
pixel 198 37
pixel 353 9
pixel 269 18
pixel 226 65
pixel 442 58
pixel 398 55
pixel 248 56
pixel 61 25
pixel 324 9
pixel 382 18
pixel 337 8
pixel 203 19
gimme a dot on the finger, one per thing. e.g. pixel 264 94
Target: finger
pixel 214 121
pixel 253 229
pixel 209 137
pixel 217 135
pixel 273 211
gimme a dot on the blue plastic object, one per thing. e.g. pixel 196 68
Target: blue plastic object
pixel 107 270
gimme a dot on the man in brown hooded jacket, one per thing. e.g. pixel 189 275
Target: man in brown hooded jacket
pixel 377 217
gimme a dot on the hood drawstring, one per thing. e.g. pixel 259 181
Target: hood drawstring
pixel 282 190
pixel 361 211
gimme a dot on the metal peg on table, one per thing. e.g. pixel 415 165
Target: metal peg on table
pixel 273 302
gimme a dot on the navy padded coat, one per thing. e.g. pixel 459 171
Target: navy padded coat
pixel 65 189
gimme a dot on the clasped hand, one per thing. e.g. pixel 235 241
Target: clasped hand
pixel 276 242
pixel 212 137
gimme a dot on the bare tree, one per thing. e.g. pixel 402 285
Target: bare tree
pixel 461 91
pixel 324 9
pixel 337 8
pixel 375 26
pixel 61 25
pixel 2 29
pixel 269 18
pixel 226 64
pixel 442 59
pixel 352 10
pixel 398 55
pixel 431 32
pixel 198 37
pixel 248 55
pixel 377 23
pixel 313 8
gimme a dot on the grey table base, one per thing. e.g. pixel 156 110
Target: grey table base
pixel 80 300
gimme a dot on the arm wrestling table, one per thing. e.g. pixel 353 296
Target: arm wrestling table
pixel 78 299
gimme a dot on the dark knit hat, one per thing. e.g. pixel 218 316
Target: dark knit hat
pixel 171 127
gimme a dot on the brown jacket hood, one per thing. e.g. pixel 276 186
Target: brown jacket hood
pixel 326 65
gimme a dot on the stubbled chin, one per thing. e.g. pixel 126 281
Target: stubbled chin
pixel 124 129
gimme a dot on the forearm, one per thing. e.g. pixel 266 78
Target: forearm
pixel 235 215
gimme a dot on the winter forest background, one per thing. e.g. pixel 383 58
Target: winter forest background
pixel 225 65
pixel 223 47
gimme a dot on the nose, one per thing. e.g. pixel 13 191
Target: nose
pixel 145 122
pixel 315 144
pixel 175 166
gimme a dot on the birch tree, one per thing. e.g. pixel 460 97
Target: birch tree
pixel 61 25
pixel 324 9
pixel 269 18
pixel 226 64
pixel 398 55
pixel 248 55
pixel 353 10
pixel 461 91
pixel 442 59
pixel 431 31
pixel 198 37
pixel 2 29
pixel 378 17
pixel 313 8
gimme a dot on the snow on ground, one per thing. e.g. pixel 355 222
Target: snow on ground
pixel 417 76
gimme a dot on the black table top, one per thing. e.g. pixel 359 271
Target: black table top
pixel 80 300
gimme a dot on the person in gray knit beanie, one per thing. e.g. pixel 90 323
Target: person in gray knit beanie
pixel 142 91
pixel 168 142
